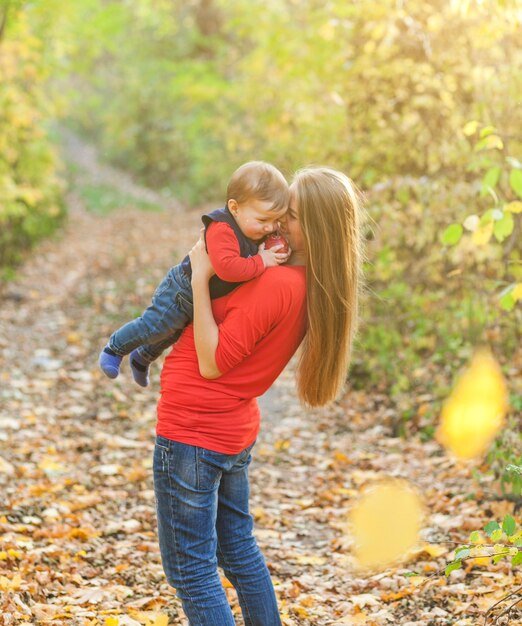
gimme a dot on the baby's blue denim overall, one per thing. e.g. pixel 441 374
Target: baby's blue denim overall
pixel 171 308
pixel 161 324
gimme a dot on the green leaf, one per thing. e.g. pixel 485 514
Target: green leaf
pixel 452 234
pixel 498 558
pixel 515 180
pixel 491 178
pixel 452 567
pixel 504 227
pixel 509 525
pixel 487 130
pixel 491 142
pixel 507 302
pixel 517 559
pixel 496 534
pixel 461 552
pixel 410 574
pixel 490 215
pixel 490 527
pixel 474 537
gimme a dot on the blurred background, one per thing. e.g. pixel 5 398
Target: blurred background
pixel 419 102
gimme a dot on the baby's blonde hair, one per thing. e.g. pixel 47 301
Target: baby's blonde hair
pixel 330 215
pixel 259 180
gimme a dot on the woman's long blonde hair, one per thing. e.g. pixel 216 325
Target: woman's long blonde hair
pixel 330 215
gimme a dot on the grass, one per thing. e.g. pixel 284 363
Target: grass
pixel 103 199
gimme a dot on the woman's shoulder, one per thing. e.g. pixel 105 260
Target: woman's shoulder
pixel 274 284
pixel 284 275
pixel 281 280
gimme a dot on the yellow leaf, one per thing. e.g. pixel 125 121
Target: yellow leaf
pixel 470 128
pixel 516 294
pixel 489 143
pixel 83 534
pixel 482 234
pixel 12 584
pixel 14 554
pixel 479 560
pixel 112 621
pixel 50 466
pixel 475 410
pixel 301 612
pixel 304 559
pixel 432 549
pixel 161 620
pixel 355 620
pixel 341 457
pixel 386 523
pixel 121 567
pixel 74 338
pixel 514 207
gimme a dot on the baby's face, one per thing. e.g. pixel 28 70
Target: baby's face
pixel 255 219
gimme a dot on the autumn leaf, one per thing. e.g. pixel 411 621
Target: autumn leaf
pixel 475 410
pixel 386 523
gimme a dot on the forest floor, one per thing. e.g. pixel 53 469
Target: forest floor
pixel 77 521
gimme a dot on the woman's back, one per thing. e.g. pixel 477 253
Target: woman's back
pixel 261 325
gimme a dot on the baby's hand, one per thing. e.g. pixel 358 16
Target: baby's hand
pixel 273 257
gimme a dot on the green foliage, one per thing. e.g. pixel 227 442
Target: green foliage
pixel 423 309
pixel 500 185
pixel 183 92
pixel 506 455
pixel 495 543
pixel 30 190
pixel 505 541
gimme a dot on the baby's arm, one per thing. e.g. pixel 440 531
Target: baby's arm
pixel 224 253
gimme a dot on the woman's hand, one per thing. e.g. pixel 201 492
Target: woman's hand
pixel 206 332
pixel 200 261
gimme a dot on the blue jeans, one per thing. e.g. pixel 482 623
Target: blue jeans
pixel 203 521
pixel 162 323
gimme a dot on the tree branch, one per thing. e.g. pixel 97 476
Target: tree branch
pixel 509 595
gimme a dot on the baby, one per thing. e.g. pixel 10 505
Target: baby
pixel 257 198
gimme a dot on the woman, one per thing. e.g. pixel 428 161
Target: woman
pixel 208 418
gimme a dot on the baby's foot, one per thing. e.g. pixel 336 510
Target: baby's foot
pixel 109 362
pixel 139 369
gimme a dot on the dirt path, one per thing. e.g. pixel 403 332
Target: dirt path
pixel 77 523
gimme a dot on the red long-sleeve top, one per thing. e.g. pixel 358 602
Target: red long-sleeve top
pixel 261 325
pixel 223 250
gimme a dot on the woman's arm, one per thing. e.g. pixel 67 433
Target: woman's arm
pixel 206 333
